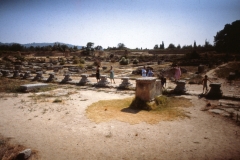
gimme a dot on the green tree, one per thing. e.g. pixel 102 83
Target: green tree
pixel 90 45
pixel 228 39
pixel 162 46
pixel 194 44
pixel 155 47
pixel 171 46
pixel 121 46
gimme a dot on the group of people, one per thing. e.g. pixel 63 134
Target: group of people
pixel 111 74
pixel 149 73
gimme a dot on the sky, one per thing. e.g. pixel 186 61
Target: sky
pixel 135 23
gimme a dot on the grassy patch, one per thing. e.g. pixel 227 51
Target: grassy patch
pixel 58 100
pixel 10 85
pixel 166 108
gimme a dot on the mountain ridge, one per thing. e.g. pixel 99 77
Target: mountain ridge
pixel 43 44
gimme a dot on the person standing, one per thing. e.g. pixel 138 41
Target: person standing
pixel 177 73
pixel 112 75
pixel 204 82
pixel 150 73
pixel 98 73
pixel 163 81
pixel 144 72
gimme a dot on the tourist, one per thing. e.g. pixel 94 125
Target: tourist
pixel 112 75
pixel 144 72
pixel 177 73
pixel 150 73
pixel 98 74
pixel 163 81
pixel 204 82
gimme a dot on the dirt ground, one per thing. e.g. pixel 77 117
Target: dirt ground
pixel 62 130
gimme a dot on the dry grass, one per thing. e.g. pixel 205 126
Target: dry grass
pixel 223 72
pixel 9 151
pixel 107 110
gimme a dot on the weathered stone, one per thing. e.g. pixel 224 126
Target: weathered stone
pixel 51 77
pixel 66 78
pixel 84 80
pixel 103 81
pixel 26 74
pixel 125 82
pixel 200 68
pixel 231 76
pixel 180 88
pixel 146 88
pixel 38 76
pixel 215 91
pixel 5 73
pixel 16 74
pixel 216 111
pixel 25 154
pixel 30 87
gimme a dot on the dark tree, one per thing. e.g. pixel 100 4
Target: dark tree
pixel 162 46
pixel 171 46
pixel 228 39
pixel 155 47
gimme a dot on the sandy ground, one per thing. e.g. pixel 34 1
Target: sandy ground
pixel 62 131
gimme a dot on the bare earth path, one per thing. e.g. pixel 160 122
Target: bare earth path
pixel 62 131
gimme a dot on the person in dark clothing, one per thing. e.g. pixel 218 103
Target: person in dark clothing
pixel 163 81
pixel 98 74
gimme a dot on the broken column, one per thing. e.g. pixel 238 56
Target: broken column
pixel 84 80
pixel 66 78
pixel 180 88
pixel 16 74
pixel 26 75
pixel 38 76
pixel 103 81
pixel 215 91
pixel 125 82
pixel 51 77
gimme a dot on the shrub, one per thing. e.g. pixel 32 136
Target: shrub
pixel 135 61
pixel 124 61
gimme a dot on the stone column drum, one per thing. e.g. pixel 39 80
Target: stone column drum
pixel 215 91
pixel 180 88
pixel 147 88
pixel 84 79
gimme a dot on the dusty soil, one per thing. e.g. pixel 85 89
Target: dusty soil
pixel 63 131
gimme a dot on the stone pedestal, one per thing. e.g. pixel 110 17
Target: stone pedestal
pixel 84 80
pixel 215 91
pixel 147 88
pixel 66 78
pixel 231 76
pixel 26 75
pixel 125 82
pixel 16 74
pixel 51 77
pixel 38 76
pixel 180 88
pixel 103 81
pixel 200 68
pixel 5 73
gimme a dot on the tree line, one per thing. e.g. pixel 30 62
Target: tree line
pixel 226 40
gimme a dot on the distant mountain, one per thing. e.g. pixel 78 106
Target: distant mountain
pixel 41 44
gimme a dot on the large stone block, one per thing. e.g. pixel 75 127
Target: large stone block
pixel 147 88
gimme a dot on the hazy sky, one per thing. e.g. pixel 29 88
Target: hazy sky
pixel 136 23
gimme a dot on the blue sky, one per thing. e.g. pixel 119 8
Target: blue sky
pixel 136 23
